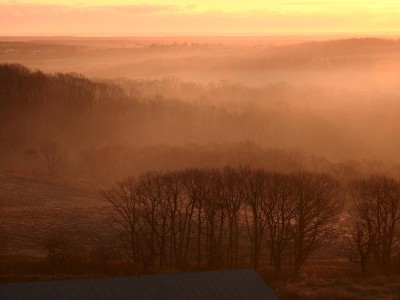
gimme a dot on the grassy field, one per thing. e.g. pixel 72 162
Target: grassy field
pixel 31 209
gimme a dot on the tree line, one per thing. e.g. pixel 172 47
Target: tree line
pixel 229 217
pixel 37 108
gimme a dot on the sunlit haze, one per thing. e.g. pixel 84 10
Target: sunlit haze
pixel 173 17
pixel 162 136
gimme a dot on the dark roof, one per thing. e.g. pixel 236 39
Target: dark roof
pixel 232 285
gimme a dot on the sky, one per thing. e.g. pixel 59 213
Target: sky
pixel 205 17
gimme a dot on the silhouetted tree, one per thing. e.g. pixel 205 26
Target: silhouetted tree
pixel 125 203
pixel 181 211
pixel 254 195
pixel 375 216
pixel 197 189
pixel 361 241
pixel 52 157
pixel 317 205
pixel 60 250
pixel 215 213
pixel 278 208
pixel 232 182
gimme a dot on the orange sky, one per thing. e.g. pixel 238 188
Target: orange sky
pixel 206 17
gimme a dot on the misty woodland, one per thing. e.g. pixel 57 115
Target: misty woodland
pixel 115 175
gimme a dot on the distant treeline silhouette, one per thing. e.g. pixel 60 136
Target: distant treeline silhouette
pixel 109 130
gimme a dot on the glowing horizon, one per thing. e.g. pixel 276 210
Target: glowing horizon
pixel 207 17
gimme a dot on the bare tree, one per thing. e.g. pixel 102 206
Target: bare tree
pixel 232 199
pixel 181 211
pixel 215 212
pixel 172 216
pixel 375 215
pixel 361 241
pixel 124 201
pixel 196 183
pixel 60 250
pixel 278 209
pixel 317 205
pixel 51 157
pixel 154 217
pixel 254 194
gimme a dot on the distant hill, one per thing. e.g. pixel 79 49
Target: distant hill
pixel 345 47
